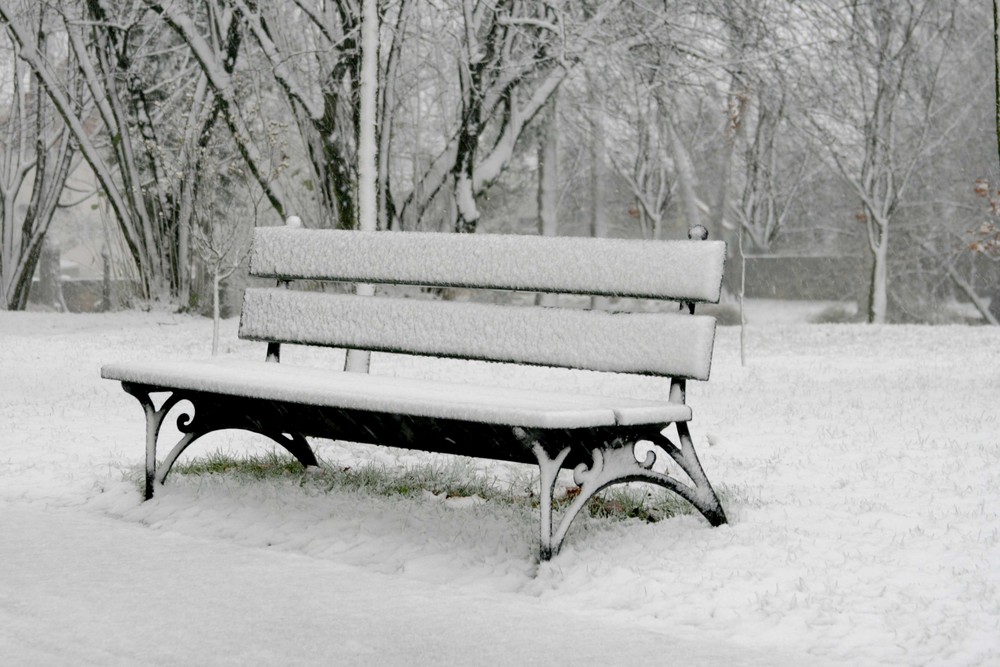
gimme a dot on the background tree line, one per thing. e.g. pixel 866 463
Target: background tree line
pixel 824 127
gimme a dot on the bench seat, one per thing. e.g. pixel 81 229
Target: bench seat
pixel 417 397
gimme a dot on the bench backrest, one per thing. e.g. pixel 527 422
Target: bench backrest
pixel 669 344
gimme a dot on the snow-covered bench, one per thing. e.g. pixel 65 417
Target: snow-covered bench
pixel 596 435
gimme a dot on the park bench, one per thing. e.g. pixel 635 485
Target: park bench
pixel 595 435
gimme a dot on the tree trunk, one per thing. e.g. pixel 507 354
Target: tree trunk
pixel 685 179
pixel 548 182
pixel 50 277
pixel 216 316
pixel 994 309
pixel 595 144
pixel 991 311
pixel 878 299
pixel 31 144
pixel 106 280
pixel 731 131
pixel 359 360
pixel 996 71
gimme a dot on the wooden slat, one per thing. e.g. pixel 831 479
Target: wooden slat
pixel 649 343
pixel 680 270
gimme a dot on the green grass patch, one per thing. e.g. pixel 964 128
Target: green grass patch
pixel 638 501
pixel 454 479
pixel 270 465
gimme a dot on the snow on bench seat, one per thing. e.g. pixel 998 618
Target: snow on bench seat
pixel 421 398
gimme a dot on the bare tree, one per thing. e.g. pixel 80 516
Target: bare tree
pixel 640 151
pixel 548 180
pixel 515 56
pixel 223 244
pixel 368 174
pixel 36 155
pixel 233 205
pixel 876 131
pixel 983 241
pixel 996 70
pixel 136 80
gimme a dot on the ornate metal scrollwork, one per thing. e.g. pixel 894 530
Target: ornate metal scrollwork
pixel 185 420
pixel 205 415
pixel 615 463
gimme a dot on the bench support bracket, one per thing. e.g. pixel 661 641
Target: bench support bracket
pixel 616 463
pixel 204 417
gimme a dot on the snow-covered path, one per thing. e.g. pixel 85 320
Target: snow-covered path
pixel 860 467
pixel 87 590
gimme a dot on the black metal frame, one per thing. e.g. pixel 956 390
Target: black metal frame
pixel 599 456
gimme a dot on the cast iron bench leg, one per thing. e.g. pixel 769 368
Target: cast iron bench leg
pixel 192 428
pixel 154 419
pixel 616 463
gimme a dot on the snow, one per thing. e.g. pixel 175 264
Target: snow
pixel 859 465
pixel 465 200
pixel 689 270
pixel 655 343
pixel 188 601
pixel 443 400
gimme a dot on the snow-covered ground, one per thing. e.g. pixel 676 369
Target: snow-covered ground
pixel 860 467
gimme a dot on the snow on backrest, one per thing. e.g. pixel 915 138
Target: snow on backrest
pixel 652 343
pixel 681 270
